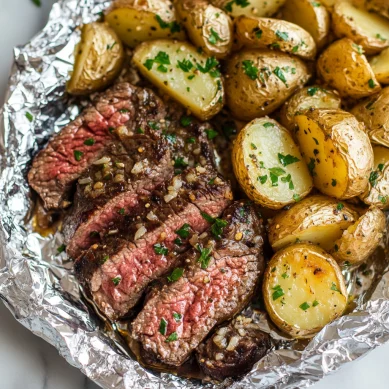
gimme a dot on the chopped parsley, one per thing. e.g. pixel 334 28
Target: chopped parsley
pixel 205 256
pixel 211 65
pixel 280 74
pixel 275 172
pixel 179 162
pixel 110 47
pixel 160 249
pixel 239 3
pixel 381 167
pixel 61 249
pixel 249 69
pixel 311 167
pixel 382 199
pixel 29 117
pixel 335 288
pixel 104 259
pixel 282 35
pixel 379 36
pixel 214 37
pixel 172 337
pixel 37 2
pixel 218 227
pixel 123 110
pixel 296 197
pixel 304 306
pixel 78 155
pixel 315 3
pixel 183 231
pixel 191 140
pixel 268 124
pixel 278 292
pixel 295 49
pixel 258 33
pixel 315 303
pixel 121 211
pixel 212 181
pixel 340 206
pixel 177 316
pixel 163 326
pixel 371 83
pixel 207 217
pixel 185 65
pixel 211 133
pixel 262 179
pixel 288 159
pixel 116 280
pixel 358 48
pixel 186 120
pixel 173 26
pixel 333 182
pixel 161 59
pixel 171 138
pixel 89 142
pixel 284 276
pixel 176 274
pixel 312 91
pixel 373 178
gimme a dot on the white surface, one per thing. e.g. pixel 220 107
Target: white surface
pixel 27 362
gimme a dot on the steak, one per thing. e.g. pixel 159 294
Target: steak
pixel 233 349
pixel 70 152
pixel 220 276
pixel 117 271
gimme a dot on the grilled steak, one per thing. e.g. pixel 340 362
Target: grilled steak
pixel 70 152
pixel 118 270
pixel 219 279
pixel 233 349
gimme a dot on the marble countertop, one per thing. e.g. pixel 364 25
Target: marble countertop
pixel 28 362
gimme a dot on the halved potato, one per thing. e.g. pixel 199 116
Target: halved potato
pixel 208 27
pixel 309 97
pixel 312 16
pixel 360 240
pixel 189 77
pixel 317 219
pixel 138 21
pixel 337 150
pixel 263 33
pixel 380 66
pixel 379 6
pixel 343 66
pixel 249 8
pixel 374 113
pixel 377 192
pixel 259 81
pixel 303 290
pixel 367 29
pixel 98 59
pixel 268 164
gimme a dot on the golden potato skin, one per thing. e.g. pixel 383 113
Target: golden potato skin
pixel 263 33
pixel 259 8
pixel 374 113
pixel 250 96
pixel 343 66
pixel 208 27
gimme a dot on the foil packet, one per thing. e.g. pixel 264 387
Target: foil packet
pixel 37 283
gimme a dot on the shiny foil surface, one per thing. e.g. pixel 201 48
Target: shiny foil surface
pixel 37 283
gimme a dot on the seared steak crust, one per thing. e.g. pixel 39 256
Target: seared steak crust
pixel 211 289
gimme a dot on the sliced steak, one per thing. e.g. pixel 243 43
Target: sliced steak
pixel 118 270
pixel 233 349
pixel 70 152
pixel 218 281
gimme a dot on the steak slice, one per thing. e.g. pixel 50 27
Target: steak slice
pixel 218 281
pixel 70 152
pixel 117 271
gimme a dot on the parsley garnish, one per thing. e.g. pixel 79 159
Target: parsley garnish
pixel 239 3
pixel 177 316
pixel 278 292
pixel 186 120
pixel 207 217
pixel 315 4
pixel 311 167
pixel 340 206
pixel 268 124
pixel 37 2
pixel 333 182
pixel 176 274
pixel 296 197
pixel 162 59
pixel 335 288
pixel 214 37
pixel 205 256
pixel 282 35
pixel 61 249
pixel 29 117
pixel 174 26
pixel 279 73
pixel 172 337
pixel 211 133
pixel 160 249
pixel 218 227
pixel 116 280
pixel 304 306
pixel 162 326
pixel 262 179
pixel 288 159
pixel 312 90
pixel 211 65
pixel 180 163
pixel 121 211
pixel 275 172
pixel 371 83
pixel 315 303
pixel 183 231
pixel 77 155
pixel 185 65
pixel 89 142
pixel 249 69
pixel 258 33
pixel 381 167
pixel 373 178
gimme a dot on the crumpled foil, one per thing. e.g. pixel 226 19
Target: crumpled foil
pixel 37 283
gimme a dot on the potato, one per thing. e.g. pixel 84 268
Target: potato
pixel 268 164
pixel 208 27
pixel 317 219
pixel 262 33
pixel 374 113
pixel 249 7
pixel 360 240
pixel 379 6
pixel 98 59
pixel 337 150
pixel 380 66
pixel 344 67
pixel 184 74
pixel 369 30
pixel 312 16
pixel 139 21
pixel 377 192
pixel 259 81
pixel 303 290
pixel 307 98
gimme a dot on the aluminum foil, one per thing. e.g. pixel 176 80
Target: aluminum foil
pixel 37 283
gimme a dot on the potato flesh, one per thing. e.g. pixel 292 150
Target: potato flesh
pixel 380 66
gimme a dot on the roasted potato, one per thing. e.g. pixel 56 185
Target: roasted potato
pixel 98 59
pixel 317 219
pixel 312 16
pixel 249 8
pixel 189 77
pixel 259 81
pixel 377 192
pixel 303 290
pixel 307 98
pixel 262 33
pixel 374 113
pixel 138 21
pixel 268 164
pixel 344 67
pixel 208 27
pixel 379 6
pixel 380 66
pixel 360 240
pixel 367 29
pixel 337 150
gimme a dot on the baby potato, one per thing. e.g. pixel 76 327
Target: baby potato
pixel 249 8
pixel 374 113
pixel 259 81
pixel 316 219
pixel 268 164
pixel 98 59
pixel 262 33
pixel 303 290
pixel 380 66
pixel 189 77
pixel 139 21
pixel 308 98
pixel 367 29
pixel 208 27
pixel 360 240
pixel 337 150
pixel 379 6
pixel 312 16
pixel 343 66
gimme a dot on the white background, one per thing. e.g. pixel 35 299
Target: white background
pixel 27 362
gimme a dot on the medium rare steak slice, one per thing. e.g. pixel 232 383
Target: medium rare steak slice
pixel 118 270
pixel 70 152
pixel 218 281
